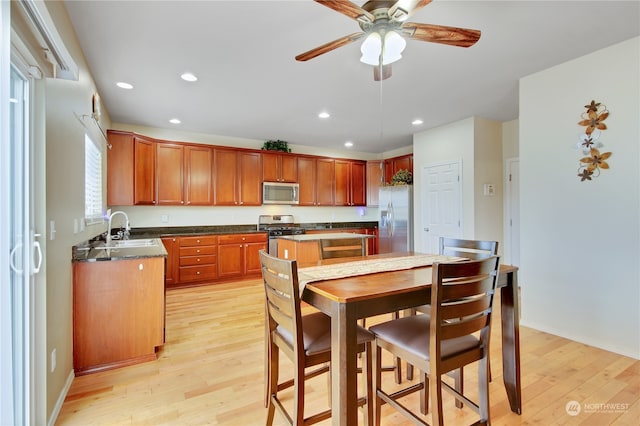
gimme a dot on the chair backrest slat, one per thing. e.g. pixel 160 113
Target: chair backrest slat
pixel 343 247
pixel 464 327
pixel 465 308
pixel 471 249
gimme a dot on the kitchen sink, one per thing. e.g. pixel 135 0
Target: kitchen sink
pixel 119 244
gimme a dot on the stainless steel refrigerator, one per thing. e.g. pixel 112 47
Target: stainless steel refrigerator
pixel 395 220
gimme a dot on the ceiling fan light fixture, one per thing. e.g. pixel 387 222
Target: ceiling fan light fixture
pixel 371 48
pixel 394 45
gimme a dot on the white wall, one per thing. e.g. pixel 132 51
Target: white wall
pixel 477 144
pixel 580 241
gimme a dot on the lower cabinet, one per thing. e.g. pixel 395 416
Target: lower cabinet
pixel 205 259
pixel 118 313
pixel 238 254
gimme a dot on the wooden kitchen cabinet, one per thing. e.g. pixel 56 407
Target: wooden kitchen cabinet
pixel 325 181
pixel 392 165
pixel 316 177
pixel 170 174
pixel 118 313
pixel 198 184
pixel 238 179
pixel 172 262
pixel 279 168
pixel 375 179
pixel 350 183
pixel 144 179
pixel 307 181
pixel 238 254
pixel 198 259
pixel 120 169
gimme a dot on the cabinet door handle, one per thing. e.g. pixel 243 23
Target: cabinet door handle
pixel 140 267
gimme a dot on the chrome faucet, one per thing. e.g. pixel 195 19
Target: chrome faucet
pixel 126 224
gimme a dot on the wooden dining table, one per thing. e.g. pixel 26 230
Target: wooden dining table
pixel 351 298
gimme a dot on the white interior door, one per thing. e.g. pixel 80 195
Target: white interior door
pixel 441 204
pixel 513 212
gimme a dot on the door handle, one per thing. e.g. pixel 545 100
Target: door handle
pixel 12 257
pixel 37 250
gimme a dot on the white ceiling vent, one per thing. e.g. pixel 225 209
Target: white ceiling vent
pixel 46 40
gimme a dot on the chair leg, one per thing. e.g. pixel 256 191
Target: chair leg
pixel 424 394
pixel 397 360
pixel 367 376
pixel 274 364
pixel 458 377
pixel 298 395
pixel 483 389
pixel 377 382
pixel 435 382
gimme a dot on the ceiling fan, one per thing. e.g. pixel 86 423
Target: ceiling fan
pixel 385 27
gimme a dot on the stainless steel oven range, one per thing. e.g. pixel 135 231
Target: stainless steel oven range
pixel 277 225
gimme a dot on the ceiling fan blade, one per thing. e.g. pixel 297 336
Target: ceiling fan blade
pixel 402 9
pixel 329 47
pixel 381 72
pixel 453 36
pixel 348 8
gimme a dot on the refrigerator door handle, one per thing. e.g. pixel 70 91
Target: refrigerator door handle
pixel 390 219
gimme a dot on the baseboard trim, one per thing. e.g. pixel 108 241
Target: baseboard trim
pixel 61 398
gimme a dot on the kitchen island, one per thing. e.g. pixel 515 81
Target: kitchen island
pixel 118 303
pixel 305 248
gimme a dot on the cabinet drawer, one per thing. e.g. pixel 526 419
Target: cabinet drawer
pixel 197 260
pixel 198 273
pixel 202 240
pixel 242 238
pixel 197 251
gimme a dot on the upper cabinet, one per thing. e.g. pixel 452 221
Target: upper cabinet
pixel 170 176
pixel 392 165
pixel 350 183
pixel 146 171
pixel 120 169
pixel 375 179
pixel 316 177
pixel 279 168
pixel 198 181
pixel 144 177
pixel 238 178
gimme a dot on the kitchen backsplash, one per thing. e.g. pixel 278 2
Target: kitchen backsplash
pixel 162 216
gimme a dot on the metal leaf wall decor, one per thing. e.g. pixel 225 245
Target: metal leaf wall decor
pixel 590 144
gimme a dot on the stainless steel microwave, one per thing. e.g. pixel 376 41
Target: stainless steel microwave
pixel 280 193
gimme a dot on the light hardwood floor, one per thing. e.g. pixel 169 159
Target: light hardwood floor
pixel 210 372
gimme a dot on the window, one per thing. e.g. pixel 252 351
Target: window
pixel 92 182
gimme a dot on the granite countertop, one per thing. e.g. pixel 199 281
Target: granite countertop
pixel 176 231
pixel 328 236
pixel 94 251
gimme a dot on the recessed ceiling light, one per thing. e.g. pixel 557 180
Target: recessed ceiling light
pixel 123 85
pixel 324 114
pixel 187 76
pixel 175 121
pixel 417 122
pixel 348 144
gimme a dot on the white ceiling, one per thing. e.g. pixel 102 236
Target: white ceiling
pixel 250 86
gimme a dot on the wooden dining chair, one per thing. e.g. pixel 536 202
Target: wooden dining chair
pixel 305 339
pixel 470 249
pixel 455 334
pixel 341 247
pixel 351 247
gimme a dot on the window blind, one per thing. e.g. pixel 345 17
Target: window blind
pixel 92 182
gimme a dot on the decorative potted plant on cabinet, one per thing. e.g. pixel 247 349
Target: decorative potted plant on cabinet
pixel 276 145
